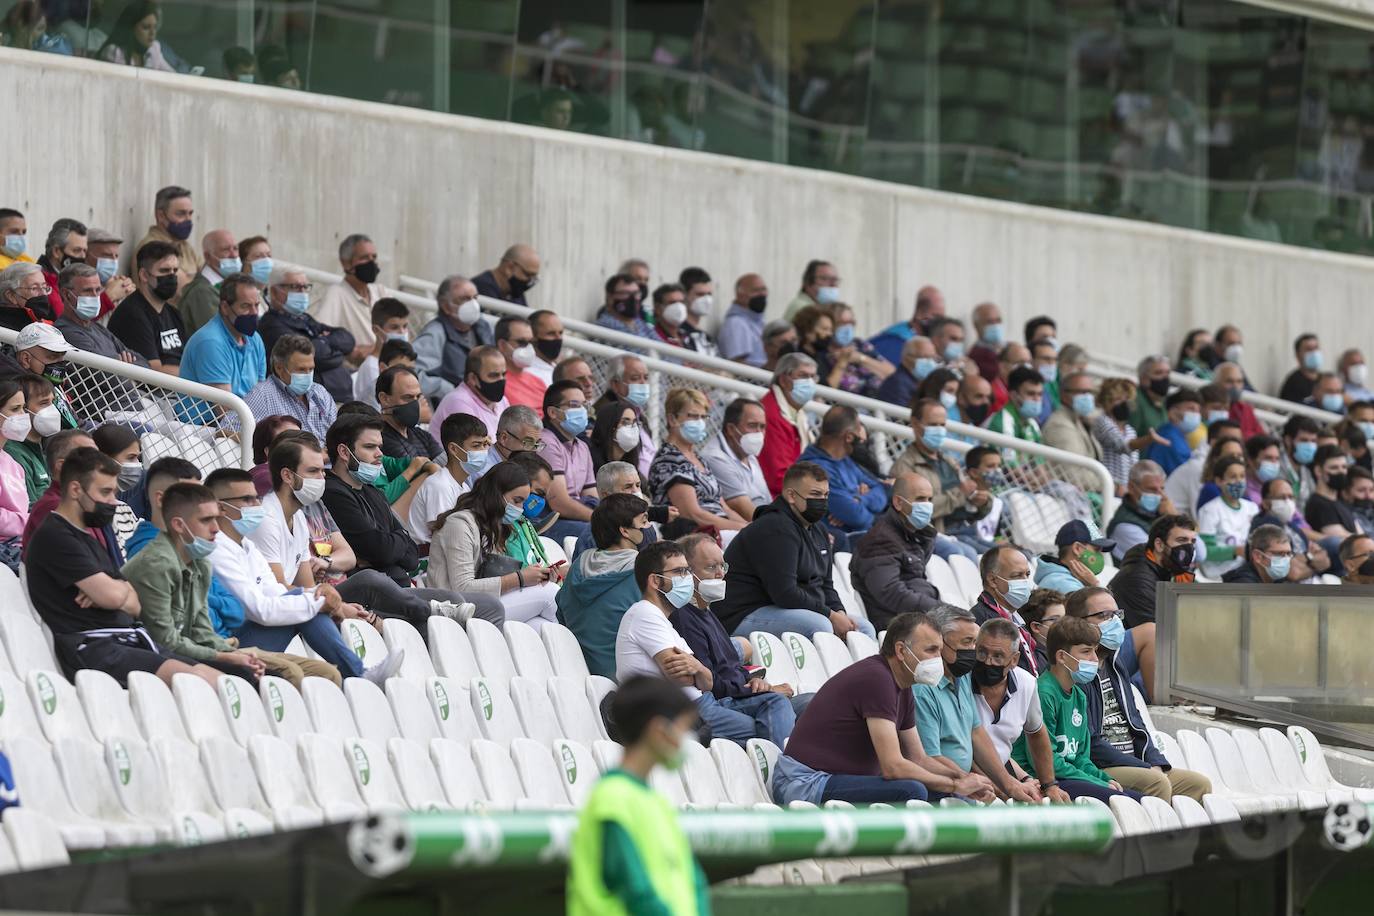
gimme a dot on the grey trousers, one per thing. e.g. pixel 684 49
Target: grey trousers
pixel 377 592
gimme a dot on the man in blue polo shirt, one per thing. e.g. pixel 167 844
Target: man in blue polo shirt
pixel 227 353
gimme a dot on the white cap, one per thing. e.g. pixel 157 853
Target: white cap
pixel 42 335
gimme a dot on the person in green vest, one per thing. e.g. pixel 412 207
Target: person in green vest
pixel 629 855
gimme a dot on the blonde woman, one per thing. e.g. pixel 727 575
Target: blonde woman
pixel 678 476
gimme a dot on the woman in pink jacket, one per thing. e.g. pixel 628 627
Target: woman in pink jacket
pixel 14 493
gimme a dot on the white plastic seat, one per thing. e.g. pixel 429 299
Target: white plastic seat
pixel 553 550
pixel 834 653
pixel 415 663
pixel 494 711
pixel 230 774
pixel 1202 760
pixel 185 784
pixel 811 673
pixel 500 784
pixel 328 707
pixel 199 707
pixel 1161 814
pixel 607 755
pixel 861 645
pixel 193 828
pixel 598 688
pixel 242 708
pixel 329 776
pixel 139 785
pixel 737 775
pixel 564 651
pixel 532 706
pixel 57 707
pixel 772 653
pixel 1288 771
pixel 1130 816
pixel 411 709
pixel 1239 785
pixel 242 823
pixel 1173 752
pixel 364 640
pixel 17 718
pixel 569 546
pixel 942 577
pixel 1315 768
pixel 457 775
pixel 371 711
pixel 490 649
pixel 451 703
pixel 668 783
pixel 577 767
pixel 282 781
pixel 26 645
pixel 154 709
pixel 544 784
pixel 576 718
pixel 700 777
pixel 373 776
pixel 414 773
pixel 1256 759
pixel 966 572
pixel 106 705
pixel 81 764
pixel 35 839
pixel 1220 810
pixel 450 650
pixel 37 778
pixel 1190 813
pixel 763 757
pixel 527 651
pixel 287 716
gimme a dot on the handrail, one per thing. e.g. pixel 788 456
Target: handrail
pixel 1270 409
pixel 230 402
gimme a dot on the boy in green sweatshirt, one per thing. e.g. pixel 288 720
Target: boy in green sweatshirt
pixel 1072 652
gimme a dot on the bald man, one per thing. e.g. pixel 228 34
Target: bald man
pixel 515 275
pixel 889 565
pixel 991 334
pixel 741 332
pixel 1232 378
pixel 200 298
pixel 930 304
pixel 975 399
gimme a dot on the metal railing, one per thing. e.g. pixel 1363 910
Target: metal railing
pixel 157 406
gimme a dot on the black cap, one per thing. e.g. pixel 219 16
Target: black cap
pixel 1078 532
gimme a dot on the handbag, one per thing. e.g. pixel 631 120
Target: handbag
pixel 495 565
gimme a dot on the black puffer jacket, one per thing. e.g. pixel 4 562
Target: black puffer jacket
pixel 777 560
pixel 1134 586
pixel 889 569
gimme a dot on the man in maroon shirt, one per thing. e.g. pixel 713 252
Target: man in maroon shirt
pixel 857 741
pixel 55 452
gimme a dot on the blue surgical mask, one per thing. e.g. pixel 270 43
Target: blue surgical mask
pixel 1019 591
pixel 1084 673
pixel 1235 489
pixel 1214 415
pixel 534 505
pixel 474 462
pixel 514 513
pixel 1049 373
pixel 1278 567
pixel 574 421
pixel 105 268
pixel 1083 404
pixel 229 266
pixel 250 517
pixel 680 593
pixel 933 436
pixel 366 473
pixel 829 295
pixel 300 383
pixel 200 548
pixel 88 307
pixel 694 431
pixel 637 393
pixel 297 303
pixel 948 400
pixel 924 366
pixel 1367 429
pixel 844 334
pixel 16 244
pixel 1269 470
pixel 1113 633
pixel 1312 360
pixel 803 390
pixel 1191 421
pixel 1304 452
pixel 954 350
pixel 261 269
pixel 397 335
pixel 1149 503
pixel 920 513
pixel 1333 402
pixel 994 334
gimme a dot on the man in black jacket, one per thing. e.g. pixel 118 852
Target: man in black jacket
pixel 780 565
pixel 888 569
pixel 1168 556
pixel 1268 558
pixel 288 294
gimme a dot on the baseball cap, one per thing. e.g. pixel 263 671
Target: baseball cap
pixel 1081 532
pixel 42 335
pixel 101 235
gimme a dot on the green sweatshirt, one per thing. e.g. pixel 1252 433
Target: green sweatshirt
pixel 1066 718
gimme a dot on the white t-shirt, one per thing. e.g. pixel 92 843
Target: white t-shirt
pixel 1227 527
pixel 435 497
pixel 288 547
pixel 1020 713
pixel 365 382
pixel 644 632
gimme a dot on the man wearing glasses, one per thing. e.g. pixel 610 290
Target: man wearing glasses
pixel 565 420
pixel 288 296
pixel 23 295
pixel 1122 746
pixel 1357 554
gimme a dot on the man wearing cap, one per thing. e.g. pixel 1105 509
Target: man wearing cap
pixel 1080 560
pixel 41 349
pixel 102 253
pixel 82 298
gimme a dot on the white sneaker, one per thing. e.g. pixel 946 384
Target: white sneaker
pixel 378 674
pixel 454 611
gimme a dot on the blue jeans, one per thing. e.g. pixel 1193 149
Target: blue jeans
pixel 319 632
pixel 771 713
pixel 968 536
pixel 865 790
pixel 723 722
pixel 946 547
pixel 776 620
pixel 1077 788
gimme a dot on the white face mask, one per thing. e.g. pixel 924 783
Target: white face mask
pixel 702 305
pixel 47 422
pixel 17 427
pixel 711 589
pixel 312 488
pixel 469 312
pixel 627 437
pixel 1283 509
pixel 675 313
pixel 926 672
pixel 1357 374
pixel 523 356
pixel 751 444
pixel 1234 352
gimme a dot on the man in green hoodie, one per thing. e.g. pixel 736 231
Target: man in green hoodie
pixel 601 585
pixel 1072 653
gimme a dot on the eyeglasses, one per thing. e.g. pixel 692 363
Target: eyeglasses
pixel 676 572
pixel 236 502
pixel 297 287
pixel 1104 616
pixel 718 570
pixel 528 445
pixel 32 290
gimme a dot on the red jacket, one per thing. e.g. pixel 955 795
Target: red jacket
pixel 781 444
pixel 1244 414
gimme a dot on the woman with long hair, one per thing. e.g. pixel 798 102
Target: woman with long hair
pixel 133 40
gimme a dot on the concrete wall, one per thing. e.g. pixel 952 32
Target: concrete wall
pixel 442 193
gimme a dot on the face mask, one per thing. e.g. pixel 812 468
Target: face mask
pixel 1304 452
pixel 815 509
pixel 16 244
pixel 534 505
pixel 523 356
pixel 948 400
pixel 105 269
pixel 626 308
pixel 228 266
pixel 513 513
pixel 1083 404
pixel 637 393
pixel 407 415
pixel 758 303
pixel 919 514
pixel 977 413
pixel 250 517
pixel 1049 373
pixel 1312 360
pixel 39 306
pixel 844 334
pixel 1093 559
pixel 928 671
pixel 519 287
pixel 297 303
pixel 674 314
pixel 1191 421
pixel 995 478
pixel 574 421
pixel 993 335
pixel 492 391
pixel 367 271
pixel 702 305
pixel 199 548
pixel 56 372
pixel 924 366
pixel 1181 557
pixel 1267 471
pixel 933 437
pixel 680 593
pixel 751 444
pixel 1018 591
pixel 180 231
pixel 1113 633
pixel 247 325
pixel 1149 503
pixel 1214 416
pixel 694 431
pixel 165 287
pixel 47 421
pixel 1278 567
pixel 549 349
pixel 473 463
pixel 1337 482
pixel 17 427
pixel 1159 386
pixel 310 490
pixel 1235 489
pixel 827 295
pixel 1357 374
pixel 469 312
pixel 1084 673
pixel 88 307
pixel 1234 353
pixel 1335 403
pixel 1368 430
pixel 712 590
pixel 130 473
pixel 99 515
pixel 366 473
pixel 627 437
pixel 1121 412
pixel 964 660
pixel 954 350
pixel 1283 509
pixel 985 675
pixel 261 269
pixel 300 383
pixel 397 335
pixel 821 344
pixel 803 390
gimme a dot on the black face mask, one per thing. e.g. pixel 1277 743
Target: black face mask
pixel 823 343
pixel 1364 505
pixel 165 287
pixel 643 291
pixel 39 306
pixel 1181 557
pixel 1121 412
pixel 99 515
pixel 367 271
pixel 964 661
pixel 815 509
pixel 977 413
pixel 57 372
pixel 625 308
pixel 549 349
pixel 1160 386
pixel 758 303
pixel 985 675
pixel 786 347
pixel 492 391
pixel 407 415
pixel 1337 482
pixel 1367 567
pixel 519 287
